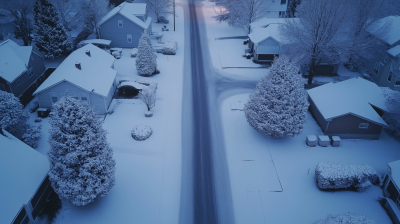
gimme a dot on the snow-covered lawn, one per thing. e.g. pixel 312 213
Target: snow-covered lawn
pixel 273 181
pixel 148 172
pixel 231 51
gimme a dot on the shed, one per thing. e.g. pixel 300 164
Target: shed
pixel 349 109
pixel 24 182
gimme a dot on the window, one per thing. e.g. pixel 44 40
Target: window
pixel 376 68
pixel 30 72
pixel 84 97
pixel 397 83
pixel 282 14
pixel 386 58
pixel 129 38
pixel 120 23
pixel 2 87
pixel 75 96
pixel 53 97
pixel 283 2
pixel 389 79
pixel 18 82
pixel 363 126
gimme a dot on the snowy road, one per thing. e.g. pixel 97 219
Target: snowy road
pixel 206 195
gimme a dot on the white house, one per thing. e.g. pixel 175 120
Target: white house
pixel 391 190
pixel 25 186
pixel 276 8
pixel 87 74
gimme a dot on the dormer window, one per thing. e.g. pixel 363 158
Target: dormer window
pixel 120 23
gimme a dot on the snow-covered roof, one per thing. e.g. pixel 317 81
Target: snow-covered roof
pixel 394 51
pixel 266 21
pixel 395 169
pixel 95 74
pixel 14 59
pixel 96 41
pixel 260 34
pixel 129 11
pixel 133 84
pixel 393 35
pixel 22 169
pixel 353 96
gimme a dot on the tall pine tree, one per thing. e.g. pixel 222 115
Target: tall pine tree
pixel 146 62
pixel 279 105
pixel 81 163
pixel 51 38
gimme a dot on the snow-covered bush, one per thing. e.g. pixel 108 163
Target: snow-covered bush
pixel 331 176
pixel 148 96
pixel 148 114
pixel 114 106
pixel 170 47
pixel 279 104
pixel 141 132
pixel 82 167
pixel 346 218
pixel 32 135
pixel 12 115
pixel 134 52
pixel 146 63
pixel 162 19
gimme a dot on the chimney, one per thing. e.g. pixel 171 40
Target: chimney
pixel 88 52
pixel 78 65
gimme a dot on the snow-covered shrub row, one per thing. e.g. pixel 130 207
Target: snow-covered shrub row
pixel 170 47
pixel 339 176
pixel 141 132
pixel 347 218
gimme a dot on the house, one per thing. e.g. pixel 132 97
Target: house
pixel 25 185
pixel 276 8
pixel 87 74
pixel 125 24
pixel 391 190
pixel 384 67
pixel 22 69
pixel 349 109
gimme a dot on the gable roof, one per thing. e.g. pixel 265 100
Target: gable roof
pixel 260 34
pixel 129 11
pixel 95 74
pixel 393 35
pixel 264 22
pixel 353 96
pixel 14 59
pixel 22 169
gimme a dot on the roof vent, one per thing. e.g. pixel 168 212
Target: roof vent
pixel 78 65
pixel 88 52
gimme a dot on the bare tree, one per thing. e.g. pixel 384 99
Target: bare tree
pixel 241 13
pixel 148 95
pixel 159 7
pixel 92 12
pixel 22 13
pixel 320 35
pixel 366 16
pixel 65 9
pixel 292 8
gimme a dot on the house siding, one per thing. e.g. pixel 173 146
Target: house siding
pixel 347 126
pixel 317 115
pixel 64 88
pixel 118 35
pixel 38 68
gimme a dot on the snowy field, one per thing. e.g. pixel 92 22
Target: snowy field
pixel 148 172
pixel 273 179
pixel 231 51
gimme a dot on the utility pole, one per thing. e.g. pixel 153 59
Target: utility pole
pixel 174 14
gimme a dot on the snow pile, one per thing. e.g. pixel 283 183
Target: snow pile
pixel 311 140
pixel 346 219
pixel 170 47
pixel 141 132
pixel 339 176
pixel 323 140
pixel 336 141
pixel 134 52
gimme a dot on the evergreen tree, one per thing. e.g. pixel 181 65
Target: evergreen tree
pixel 81 163
pixel 51 38
pixel 146 63
pixel 279 104
pixel 11 111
